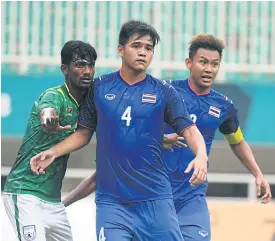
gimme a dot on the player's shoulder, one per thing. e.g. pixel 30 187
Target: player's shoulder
pixel 54 91
pixel 158 83
pixel 178 84
pixel 105 78
pixel 220 98
pixel 160 86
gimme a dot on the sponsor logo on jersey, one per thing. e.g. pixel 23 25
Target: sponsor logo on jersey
pixel 203 233
pixel 110 96
pixel 214 111
pixel 149 98
pixel 29 232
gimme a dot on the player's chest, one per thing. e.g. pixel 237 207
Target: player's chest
pixel 207 116
pixel 128 102
pixel 69 113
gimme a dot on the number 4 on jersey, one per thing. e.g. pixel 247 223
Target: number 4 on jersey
pixel 127 116
pixel 101 235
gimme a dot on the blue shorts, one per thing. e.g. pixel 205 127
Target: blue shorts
pixel 139 221
pixel 194 218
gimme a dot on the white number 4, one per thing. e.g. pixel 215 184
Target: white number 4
pixel 101 236
pixel 127 116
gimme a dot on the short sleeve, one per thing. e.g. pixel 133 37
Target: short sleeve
pixel 51 99
pixel 87 110
pixel 231 123
pixel 176 113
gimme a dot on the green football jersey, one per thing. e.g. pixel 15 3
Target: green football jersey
pixel 21 180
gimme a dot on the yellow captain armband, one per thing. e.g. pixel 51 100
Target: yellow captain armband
pixel 234 138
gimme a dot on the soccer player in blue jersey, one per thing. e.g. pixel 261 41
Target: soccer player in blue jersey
pixel 127 109
pixel 210 111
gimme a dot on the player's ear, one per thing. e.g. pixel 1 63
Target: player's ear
pixel 188 63
pixel 120 49
pixel 64 69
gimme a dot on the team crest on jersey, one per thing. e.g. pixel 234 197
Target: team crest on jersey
pixel 149 98
pixel 70 110
pixel 29 232
pixel 214 111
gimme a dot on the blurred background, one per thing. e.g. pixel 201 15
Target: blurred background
pixel 33 34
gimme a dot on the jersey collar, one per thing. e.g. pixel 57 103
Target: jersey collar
pixel 140 82
pixel 65 88
pixel 194 91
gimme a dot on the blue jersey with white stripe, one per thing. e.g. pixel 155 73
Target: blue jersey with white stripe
pixel 129 130
pixel 210 112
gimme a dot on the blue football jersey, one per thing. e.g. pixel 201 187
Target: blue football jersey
pixel 210 112
pixel 129 130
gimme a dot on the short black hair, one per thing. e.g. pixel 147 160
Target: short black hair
pixel 77 49
pixel 205 41
pixel 137 27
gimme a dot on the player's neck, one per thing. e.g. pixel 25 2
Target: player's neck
pixel 130 76
pixel 197 89
pixel 76 93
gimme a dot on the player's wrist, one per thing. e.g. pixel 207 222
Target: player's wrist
pixel 54 152
pixel 258 174
pixel 202 156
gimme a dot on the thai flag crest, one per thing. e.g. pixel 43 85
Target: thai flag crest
pixel 214 111
pixel 149 98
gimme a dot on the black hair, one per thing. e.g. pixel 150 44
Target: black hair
pixel 205 41
pixel 137 27
pixel 77 49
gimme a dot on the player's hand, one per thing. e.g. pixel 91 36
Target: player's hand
pixel 200 170
pixel 50 121
pixel 263 188
pixel 174 139
pixel 41 161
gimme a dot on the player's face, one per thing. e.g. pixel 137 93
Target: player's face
pixel 204 67
pixel 80 72
pixel 137 53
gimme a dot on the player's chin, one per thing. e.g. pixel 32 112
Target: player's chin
pixel 84 86
pixel 140 68
pixel 206 82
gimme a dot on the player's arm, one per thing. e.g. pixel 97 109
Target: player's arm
pixel 195 141
pixel 172 139
pixel 81 137
pixel 85 188
pixel 177 116
pixel 49 108
pixel 233 134
pixel 75 141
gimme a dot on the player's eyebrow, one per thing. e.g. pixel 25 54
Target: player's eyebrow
pixel 83 61
pixel 137 41
pixel 217 59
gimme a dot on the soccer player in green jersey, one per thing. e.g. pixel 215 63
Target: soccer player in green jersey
pixel 33 203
